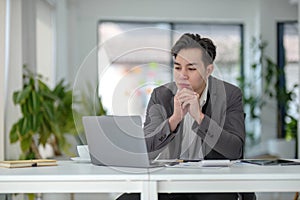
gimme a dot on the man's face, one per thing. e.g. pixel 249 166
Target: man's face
pixel 190 71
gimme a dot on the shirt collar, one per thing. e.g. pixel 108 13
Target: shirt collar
pixel 203 97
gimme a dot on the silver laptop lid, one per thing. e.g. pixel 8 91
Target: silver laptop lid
pixel 116 141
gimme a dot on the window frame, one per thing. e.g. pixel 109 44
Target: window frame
pixel 281 108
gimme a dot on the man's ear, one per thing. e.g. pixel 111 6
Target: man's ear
pixel 209 70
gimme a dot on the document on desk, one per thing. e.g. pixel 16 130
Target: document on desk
pixel 203 164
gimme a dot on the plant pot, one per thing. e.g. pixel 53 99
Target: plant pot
pixel 282 148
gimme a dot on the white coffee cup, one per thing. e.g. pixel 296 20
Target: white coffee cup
pixel 83 151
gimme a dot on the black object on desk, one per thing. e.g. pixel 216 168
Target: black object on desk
pixel 281 162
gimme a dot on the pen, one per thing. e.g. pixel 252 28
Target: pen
pixel 180 160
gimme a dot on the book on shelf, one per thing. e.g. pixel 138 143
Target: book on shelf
pixel 27 163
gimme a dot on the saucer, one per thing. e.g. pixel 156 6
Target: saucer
pixel 83 160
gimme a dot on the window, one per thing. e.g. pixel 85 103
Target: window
pixel 134 57
pixel 288 60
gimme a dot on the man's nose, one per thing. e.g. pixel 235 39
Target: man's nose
pixel 183 74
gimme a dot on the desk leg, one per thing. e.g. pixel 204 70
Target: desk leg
pixel 149 191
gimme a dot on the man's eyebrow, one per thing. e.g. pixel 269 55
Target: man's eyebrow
pixel 189 64
pixel 192 64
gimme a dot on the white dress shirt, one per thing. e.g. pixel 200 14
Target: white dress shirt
pixel 191 145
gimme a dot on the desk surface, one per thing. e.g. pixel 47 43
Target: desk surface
pixel 236 171
pixel 72 177
pixel 238 178
pixel 69 170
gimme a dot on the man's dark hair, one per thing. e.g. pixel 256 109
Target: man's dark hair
pixel 188 40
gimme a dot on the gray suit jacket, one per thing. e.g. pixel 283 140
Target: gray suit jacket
pixel 222 130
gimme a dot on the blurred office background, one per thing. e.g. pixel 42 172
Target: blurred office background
pixel 119 50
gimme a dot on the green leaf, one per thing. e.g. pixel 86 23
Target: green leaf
pixel 25 126
pixel 26 142
pixel 20 96
pixel 44 134
pixel 29 122
pixel 42 86
pixel 48 95
pixel 24 109
pixel 32 81
pixel 34 123
pixel 56 130
pixel 35 102
pixel 46 123
pixel 39 118
pixel 29 104
pixel 22 126
pixel 15 96
pixel 14 133
pixel 59 89
pixel 49 110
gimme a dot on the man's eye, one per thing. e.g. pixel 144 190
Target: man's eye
pixel 177 68
pixel 192 69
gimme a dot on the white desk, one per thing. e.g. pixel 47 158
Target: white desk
pixel 237 178
pixel 71 177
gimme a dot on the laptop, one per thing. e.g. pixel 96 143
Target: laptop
pixel 117 141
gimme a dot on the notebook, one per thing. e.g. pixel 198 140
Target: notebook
pixel 27 163
pixel 117 141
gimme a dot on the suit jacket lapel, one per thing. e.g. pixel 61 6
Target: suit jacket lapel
pixel 215 105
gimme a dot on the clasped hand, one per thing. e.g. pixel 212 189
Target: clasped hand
pixel 187 101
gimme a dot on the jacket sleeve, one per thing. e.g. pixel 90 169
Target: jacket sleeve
pixel 156 127
pixel 227 138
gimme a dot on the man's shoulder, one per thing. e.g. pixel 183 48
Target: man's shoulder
pixel 224 84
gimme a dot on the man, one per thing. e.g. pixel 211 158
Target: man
pixel 196 117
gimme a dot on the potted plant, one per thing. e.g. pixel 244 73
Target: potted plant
pixel 46 116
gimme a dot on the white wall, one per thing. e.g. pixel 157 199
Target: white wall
pixel 258 17
pixel 61 40
pixel 2 77
pixel 14 79
pixel 45 41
